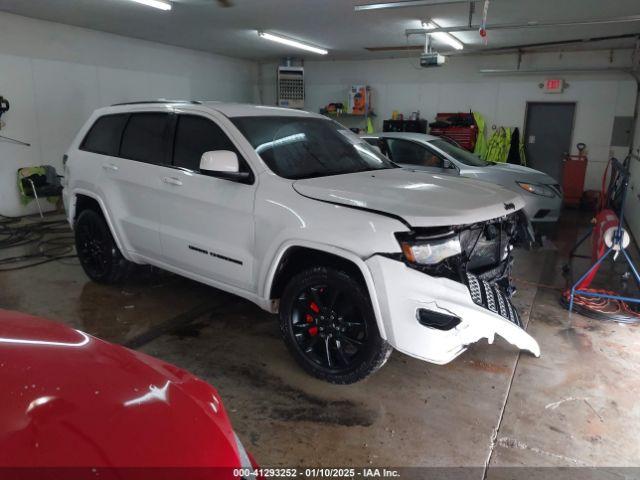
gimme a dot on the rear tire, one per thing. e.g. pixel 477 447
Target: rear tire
pixel 99 255
pixel 328 324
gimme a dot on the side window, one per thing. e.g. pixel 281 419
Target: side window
pixel 105 134
pixel 145 137
pixel 196 135
pixel 378 144
pixel 412 153
pixel 444 163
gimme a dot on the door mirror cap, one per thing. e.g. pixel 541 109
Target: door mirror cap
pixel 222 164
pixel 218 161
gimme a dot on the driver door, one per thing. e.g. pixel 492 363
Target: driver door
pixel 207 225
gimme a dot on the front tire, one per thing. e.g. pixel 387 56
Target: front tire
pixel 329 326
pixel 99 255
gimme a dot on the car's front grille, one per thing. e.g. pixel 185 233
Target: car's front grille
pixel 491 297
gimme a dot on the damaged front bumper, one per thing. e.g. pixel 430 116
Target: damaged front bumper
pixel 476 311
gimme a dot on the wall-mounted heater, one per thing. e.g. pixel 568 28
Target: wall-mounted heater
pixel 291 87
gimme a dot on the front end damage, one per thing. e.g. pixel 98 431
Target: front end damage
pixel 451 287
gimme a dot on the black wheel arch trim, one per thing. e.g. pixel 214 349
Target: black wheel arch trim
pixel 103 212
pixel 366 276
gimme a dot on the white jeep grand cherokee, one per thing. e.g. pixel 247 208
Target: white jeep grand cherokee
pixel 297 214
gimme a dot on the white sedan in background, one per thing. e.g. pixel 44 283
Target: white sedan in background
pixel 542 194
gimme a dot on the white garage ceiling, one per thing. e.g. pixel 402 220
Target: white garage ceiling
pixel 332 24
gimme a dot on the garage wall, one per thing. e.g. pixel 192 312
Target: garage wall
pixel 55 75
pixel 400 84
pixel 633 196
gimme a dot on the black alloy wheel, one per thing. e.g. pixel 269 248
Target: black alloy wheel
pixel 329 328
pixel 329 325
pixel 97 251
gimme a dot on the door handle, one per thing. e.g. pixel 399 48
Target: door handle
pixel 110 166
pixel 172 181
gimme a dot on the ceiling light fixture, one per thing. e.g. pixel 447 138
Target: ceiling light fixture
pixel 443 36
pixel 404 4
pixel 292 43
pixel 160 5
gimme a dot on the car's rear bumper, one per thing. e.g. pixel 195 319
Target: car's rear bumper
pixel 402 291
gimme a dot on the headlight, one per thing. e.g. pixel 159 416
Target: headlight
pixel 536 189
pixel 430 252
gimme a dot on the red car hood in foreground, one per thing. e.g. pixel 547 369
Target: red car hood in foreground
pixel 70 400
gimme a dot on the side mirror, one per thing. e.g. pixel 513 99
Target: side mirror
pixel 448 164
pixel 222 164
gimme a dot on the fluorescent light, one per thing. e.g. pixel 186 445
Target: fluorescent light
pixel 444 37
pixel 292 43
pixel 155 4
pixel 403 4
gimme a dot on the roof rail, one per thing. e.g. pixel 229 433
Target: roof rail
pixel 160 100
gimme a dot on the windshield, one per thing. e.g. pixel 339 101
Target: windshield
pixel 459 154
pixel 298 147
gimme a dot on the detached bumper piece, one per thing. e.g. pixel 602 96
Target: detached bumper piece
pixel 491 297
pixel 436 318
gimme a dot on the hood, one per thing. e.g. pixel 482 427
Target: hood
pixel 71 400
pixel 421 199
pixel 522 174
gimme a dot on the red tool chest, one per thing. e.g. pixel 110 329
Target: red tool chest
pixel 573 172
pixel 463 129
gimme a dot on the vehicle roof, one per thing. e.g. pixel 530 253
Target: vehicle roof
pixel 423 137
pixel 227 109
pixel 251 110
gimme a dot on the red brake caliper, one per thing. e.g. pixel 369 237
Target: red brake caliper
pixel 313 331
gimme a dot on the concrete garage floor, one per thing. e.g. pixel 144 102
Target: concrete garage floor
pixel 492 407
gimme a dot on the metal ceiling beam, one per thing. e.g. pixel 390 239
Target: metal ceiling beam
pixel 532 71
pixel 523 48
pixel 404 4
pixel 541 46
pixel 516 26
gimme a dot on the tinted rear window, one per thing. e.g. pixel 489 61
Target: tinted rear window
pixel 104 136
pixel 145 137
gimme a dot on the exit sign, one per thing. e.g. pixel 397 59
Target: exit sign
pixel 554 85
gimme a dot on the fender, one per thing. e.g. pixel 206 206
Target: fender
pixel 347 255
pixel 72 213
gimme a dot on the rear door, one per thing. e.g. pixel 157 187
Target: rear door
pixel 132 181
pixel 207 225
